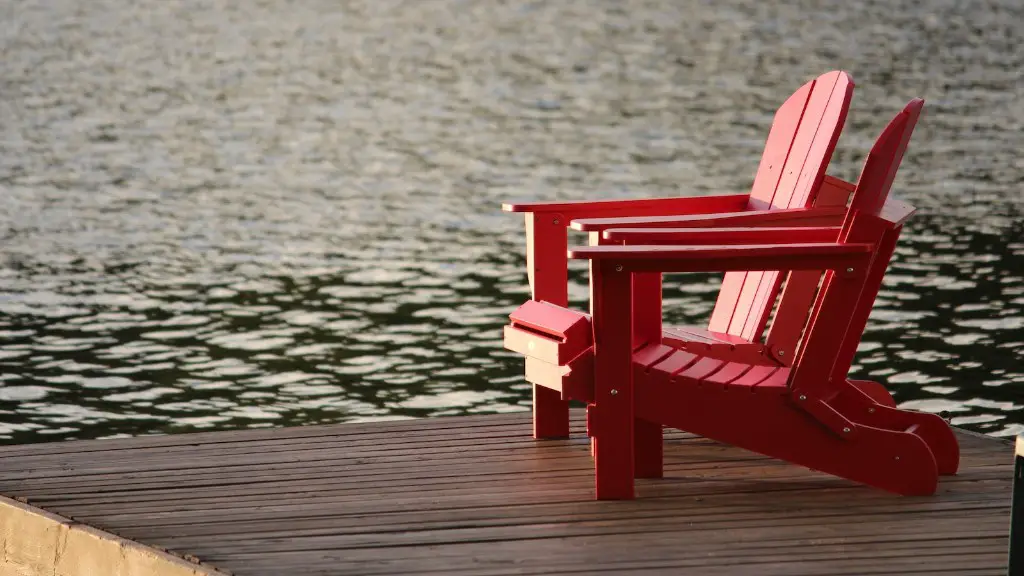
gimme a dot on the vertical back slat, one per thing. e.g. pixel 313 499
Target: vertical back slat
pixel 728 296
pixel 776 149
pixel 797 298
pixel 756 317
pixel 809 153
pixel 820 153
pixel 742 309
pixel 809 178
pixel 804 140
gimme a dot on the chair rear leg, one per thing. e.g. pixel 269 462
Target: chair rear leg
pixel 861 408
pixel 647 436
pixel 614 477
pixel 648 443
pixel 770 423
pixel 550 413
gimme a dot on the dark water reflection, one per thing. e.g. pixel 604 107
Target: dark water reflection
pixel 220 215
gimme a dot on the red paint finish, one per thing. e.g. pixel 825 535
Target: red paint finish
pixel 547 270
pixel 807 413
pixel 823 216
pixel 742 307
pixel 738 235
pixel 788 398
pixel 546 224
pixel 612 415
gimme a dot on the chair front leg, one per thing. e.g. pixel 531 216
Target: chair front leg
pixel 611 416
pixel 547 269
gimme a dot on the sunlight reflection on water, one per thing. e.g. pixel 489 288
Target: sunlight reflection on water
pixel 222 217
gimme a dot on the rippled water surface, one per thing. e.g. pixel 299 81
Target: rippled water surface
pixel 232 214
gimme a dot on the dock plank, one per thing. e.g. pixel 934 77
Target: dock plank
pixel 476 495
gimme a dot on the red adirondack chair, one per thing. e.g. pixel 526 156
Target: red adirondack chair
pixel 806 413
pixel 789 181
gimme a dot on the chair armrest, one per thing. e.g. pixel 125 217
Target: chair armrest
pixel 699 236
pixel 827 216
pixel 851 259
pixel 635 207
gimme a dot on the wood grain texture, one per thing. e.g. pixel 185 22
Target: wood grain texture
pixel 477 495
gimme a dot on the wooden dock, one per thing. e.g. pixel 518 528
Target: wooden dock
pixel 477 496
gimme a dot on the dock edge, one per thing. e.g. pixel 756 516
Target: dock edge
pixel 40 543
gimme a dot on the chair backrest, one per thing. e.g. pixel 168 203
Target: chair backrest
pixel 883 161
pixel 800 143
pixel 835 326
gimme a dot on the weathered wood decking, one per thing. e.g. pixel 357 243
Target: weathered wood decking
pixel 476 495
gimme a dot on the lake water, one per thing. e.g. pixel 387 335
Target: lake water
pixel 220 215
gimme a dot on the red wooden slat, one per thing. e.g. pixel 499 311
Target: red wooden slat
pixel 801 286
pixel 701 369
pixel 710 254
pixel 728 373
pixel 811 256
pixel 745 301
pixel 777 382
pixel 754 376
pixel 794 308
pixel 761 306
pixel 824 216
pixel 684 335
pixel 733 235
pixel 804 139
pixel 777 146
pixel 728 297
pixel 675 363
pixel 704 335
pixel 820 153
pixel 812 149
pixel 773 160
pixel 748 302
pixel 648 356
pixel 636 207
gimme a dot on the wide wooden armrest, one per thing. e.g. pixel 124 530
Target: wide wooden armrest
pixel 635 207
pixel 699 236
pixel 827 216
pixel 847 258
